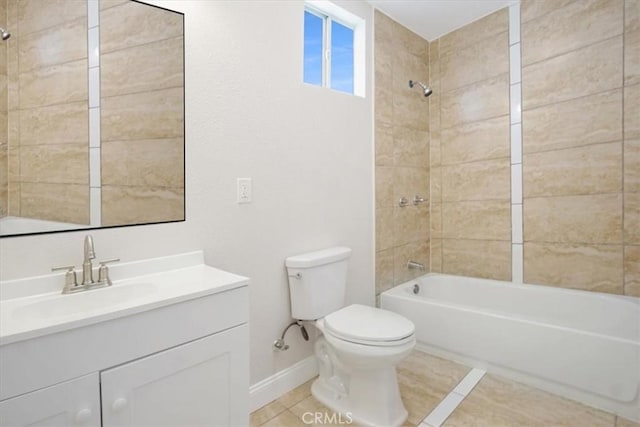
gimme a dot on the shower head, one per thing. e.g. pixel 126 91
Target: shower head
pixel 5 34
pixel 426 89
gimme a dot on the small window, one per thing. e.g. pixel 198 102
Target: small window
pixel 331 58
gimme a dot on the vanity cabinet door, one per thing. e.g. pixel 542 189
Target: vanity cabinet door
pixel 72 403
pixel 201 383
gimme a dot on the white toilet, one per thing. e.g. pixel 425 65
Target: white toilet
pixel 361 345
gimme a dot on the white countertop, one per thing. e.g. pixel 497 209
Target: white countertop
pixel 34 307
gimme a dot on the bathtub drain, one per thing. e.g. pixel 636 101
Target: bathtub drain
pixel 416 289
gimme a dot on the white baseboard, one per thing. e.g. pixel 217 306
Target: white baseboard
pixel 282 382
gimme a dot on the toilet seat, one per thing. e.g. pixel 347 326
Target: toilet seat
pixel 372 326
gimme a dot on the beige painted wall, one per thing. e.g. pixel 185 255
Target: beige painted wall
pixel 402 152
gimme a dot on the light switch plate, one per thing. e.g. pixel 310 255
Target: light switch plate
pixel 244 190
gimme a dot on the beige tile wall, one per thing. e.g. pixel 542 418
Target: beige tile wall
pixel 402 152
pixel 470 150
pixel 46 100
pixel 580 85
pixel 142 128
pixel 4 160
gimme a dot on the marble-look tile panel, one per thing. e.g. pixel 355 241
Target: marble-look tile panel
pixel 621 422
pixel 383 104
pixel 476 62
pixel 476 32
pixel 583 170
pixel 63 43
pixel 479 101
pixel 571 27
pixel 416 251
pixel 632 270
pixel 589 70
pixel 632 57
pixel 481 220
pixel 141 205
pixel 149 115
pixel 477 258
pixel 584 219
pixel 55 202
pixel 424 381
pixel 500 402
pixel 435 148
pixel 632 165
pixel 266 413
pixel 408 41
pixel 14 199
pixel 487 139
pixel 631 15
pixel 407 64
pixel 57 84
pixel 435 253
pixel 55 124
pixel 435 219
pixel 384 143
pixel 435 181
pixel 572 265
pixel 36 15
pixel 153 66
pixel 383 31
pixel 59 164
pixel 384 187
pixel 632 218
pixel 408 182
pixel 296 395
pixel 531 9
pixel 152 163
pixel 105 4
pixel 581 121
pixel 410 147
pixel 384 270
pixel 133 24
pixel 632 112
pixel 482 180
pixel 410 109
pixel 384 228
pixel 410 224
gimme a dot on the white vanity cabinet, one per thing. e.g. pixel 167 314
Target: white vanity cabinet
pixel 176 356
pixel 194 384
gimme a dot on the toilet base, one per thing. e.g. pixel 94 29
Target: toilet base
pixel 372 400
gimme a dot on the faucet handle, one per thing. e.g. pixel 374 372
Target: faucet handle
pixel 70 280
pixel 103 271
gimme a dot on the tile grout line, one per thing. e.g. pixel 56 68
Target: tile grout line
pixel 450 403
pixel 516 146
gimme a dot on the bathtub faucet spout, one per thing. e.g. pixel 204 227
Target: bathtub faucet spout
pixel 412 265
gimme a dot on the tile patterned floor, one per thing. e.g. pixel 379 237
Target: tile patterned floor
pixel 425 380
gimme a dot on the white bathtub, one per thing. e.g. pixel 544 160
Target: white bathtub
pixel 17 225
pixel 583 345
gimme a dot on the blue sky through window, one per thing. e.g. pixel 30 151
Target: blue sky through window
pixel 341 53
pixel 312 49
pixel 341 58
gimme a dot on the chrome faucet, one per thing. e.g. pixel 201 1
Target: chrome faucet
pixel 71 283
pixel 87 265
pixel 412 265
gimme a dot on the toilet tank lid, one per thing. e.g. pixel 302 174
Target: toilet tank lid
pixel 321 257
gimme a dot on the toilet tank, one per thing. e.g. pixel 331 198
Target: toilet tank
pixel 317 282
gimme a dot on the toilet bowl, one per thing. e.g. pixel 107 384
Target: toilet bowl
pixel 357 356
pixel 360 345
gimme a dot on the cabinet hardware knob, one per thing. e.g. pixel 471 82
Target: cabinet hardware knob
pixel 119 404
pixel 83 416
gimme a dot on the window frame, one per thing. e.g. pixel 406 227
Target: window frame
pixel 329 12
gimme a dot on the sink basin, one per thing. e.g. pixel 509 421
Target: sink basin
pixel 83 303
